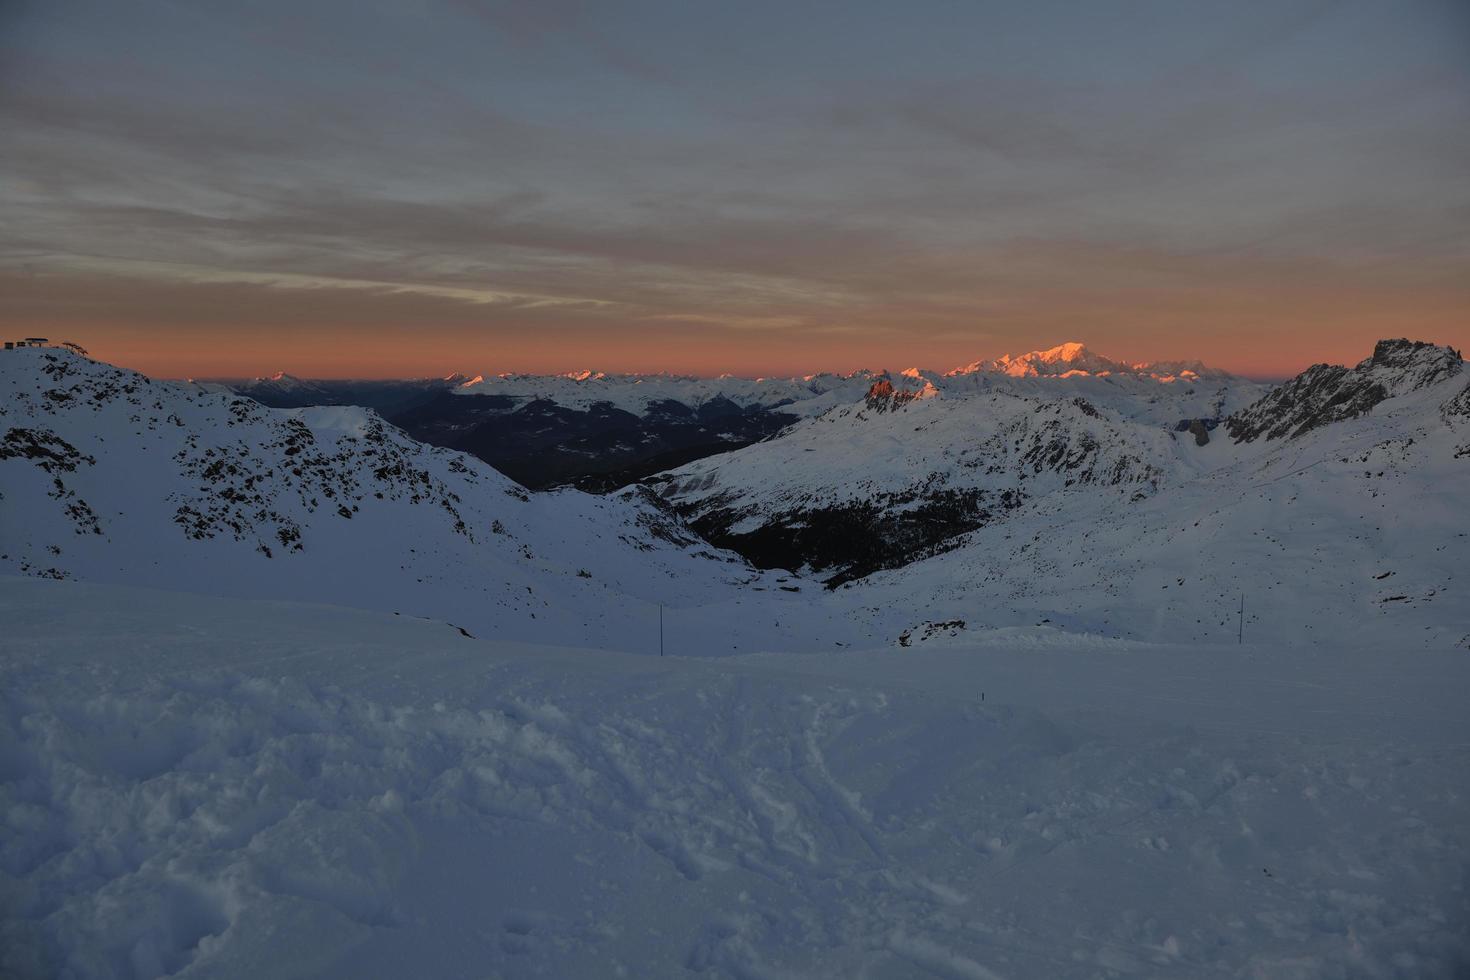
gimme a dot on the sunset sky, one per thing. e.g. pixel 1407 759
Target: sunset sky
pixel 376 188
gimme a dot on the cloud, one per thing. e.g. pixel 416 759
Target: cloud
pixel 962 175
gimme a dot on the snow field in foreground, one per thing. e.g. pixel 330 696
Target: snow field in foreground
pixel 212 787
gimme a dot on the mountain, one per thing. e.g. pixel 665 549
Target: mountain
pixel 637 394
pixel 881 482
pixel 285 383
pixel 590 429
pixel 601 432
pixel 1002 509
pixel 887 481
pixel 109 476
pixel 1347 531
pixel 1075 360
pixel 387 398
pixel 1119 505
pixel 1327 393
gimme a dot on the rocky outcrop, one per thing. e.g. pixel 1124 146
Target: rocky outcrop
pixel 1199 428
pixel 1327 393
pixel 883 397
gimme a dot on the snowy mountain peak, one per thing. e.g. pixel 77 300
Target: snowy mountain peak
pixel 1071 351
pixel 1076 360
pixel 1407 365
pixel 284 381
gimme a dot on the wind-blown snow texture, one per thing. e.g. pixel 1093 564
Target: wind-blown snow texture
pixel 209 787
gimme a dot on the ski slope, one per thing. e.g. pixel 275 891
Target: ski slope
pixel 198 786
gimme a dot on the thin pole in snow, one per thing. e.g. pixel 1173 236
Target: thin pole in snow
pixel 660 629
pixel 1240 630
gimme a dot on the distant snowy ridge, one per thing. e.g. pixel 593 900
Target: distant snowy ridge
pixel 804 396
pixel 640 393
pixel 815 393
pixel 1074 359
pixel 602 431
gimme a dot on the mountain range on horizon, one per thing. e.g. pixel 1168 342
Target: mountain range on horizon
pixel 599 430
pixel 1069 358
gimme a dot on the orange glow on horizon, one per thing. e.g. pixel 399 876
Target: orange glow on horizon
pixel 262 352
pixel 235 330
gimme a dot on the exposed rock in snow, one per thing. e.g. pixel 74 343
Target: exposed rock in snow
pixel 1327 393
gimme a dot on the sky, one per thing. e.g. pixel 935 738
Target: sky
pixel 379 188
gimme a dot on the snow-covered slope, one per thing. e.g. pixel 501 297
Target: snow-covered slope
pixel 883 481
pixel 200 787
pixel 1352 528
pixel 108 476
pixel 1005 510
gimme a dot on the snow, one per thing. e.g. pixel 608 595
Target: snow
pixel 1350 532
pixel 815 394
pixel 285 693
pixel 1127 528
pixel 173 487
pixel 283 383
pixel 1075 359
pixel 221 787
pixel 856 453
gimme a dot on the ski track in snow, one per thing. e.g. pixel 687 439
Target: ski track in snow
pixel 187 792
